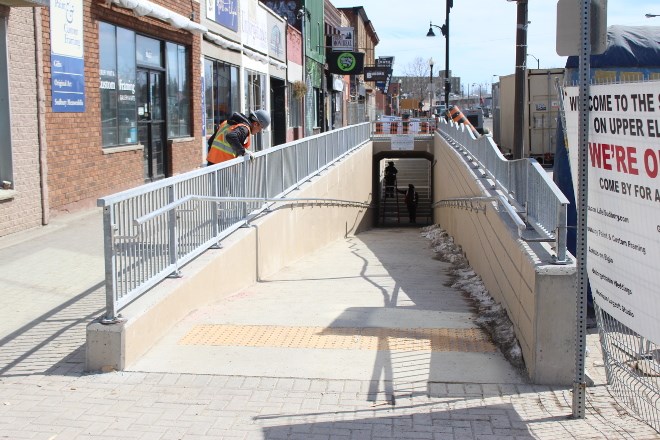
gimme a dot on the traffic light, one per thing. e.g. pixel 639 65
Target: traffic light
pixel 450 4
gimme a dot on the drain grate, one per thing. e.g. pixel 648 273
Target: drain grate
pixel 341 338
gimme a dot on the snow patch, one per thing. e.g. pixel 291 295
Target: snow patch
pixel 491 316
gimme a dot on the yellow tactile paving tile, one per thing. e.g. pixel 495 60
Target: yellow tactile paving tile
pixel 340 338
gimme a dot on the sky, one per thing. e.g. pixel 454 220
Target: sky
pixel 482 33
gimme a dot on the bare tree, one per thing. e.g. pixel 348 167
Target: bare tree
pixel 416 78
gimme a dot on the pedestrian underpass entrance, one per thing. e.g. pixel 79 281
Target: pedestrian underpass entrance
pixel 393 174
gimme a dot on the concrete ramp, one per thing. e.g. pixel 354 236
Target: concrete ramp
pixel 370 307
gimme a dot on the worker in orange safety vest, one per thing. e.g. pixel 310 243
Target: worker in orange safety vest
pixel 232 137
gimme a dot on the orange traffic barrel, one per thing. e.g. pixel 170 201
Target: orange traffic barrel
pixel 394 127
pixel 405 127
pixel 424 127
pixel 379 128
pixel 456 115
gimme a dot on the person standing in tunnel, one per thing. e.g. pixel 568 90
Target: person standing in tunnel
pixel 411 199
pixel 390 179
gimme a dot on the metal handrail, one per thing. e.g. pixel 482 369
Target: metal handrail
pixel 531 194
pixel 479 204
pixel 151 231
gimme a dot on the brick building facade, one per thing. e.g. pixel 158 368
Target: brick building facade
pixel 21 199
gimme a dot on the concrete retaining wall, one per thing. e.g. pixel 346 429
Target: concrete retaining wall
pixel 540 297
pixel 274 240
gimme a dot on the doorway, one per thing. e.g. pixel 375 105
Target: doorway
pixel 278 110
pixel 152 132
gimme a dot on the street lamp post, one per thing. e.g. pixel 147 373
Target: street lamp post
pixel 537 60
pixel 445 32
pixel 431 87
pixel 492 95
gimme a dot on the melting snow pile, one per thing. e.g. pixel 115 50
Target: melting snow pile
pixel 492 317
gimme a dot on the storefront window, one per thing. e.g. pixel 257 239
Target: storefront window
pixel 178 91
pixel 108 74
pixel 120 51
pixel 255 90
pixel 222 98
pixel 6 171
pixel 117 73
pixel 295 119
pixel 149 53
pixel 126 103
pixel 255 98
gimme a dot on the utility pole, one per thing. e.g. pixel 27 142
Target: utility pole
pixel 521 61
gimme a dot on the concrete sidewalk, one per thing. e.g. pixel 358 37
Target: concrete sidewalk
pixel 197 385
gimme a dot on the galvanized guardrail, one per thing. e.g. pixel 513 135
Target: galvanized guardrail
pixel 526 185
pixel 151 231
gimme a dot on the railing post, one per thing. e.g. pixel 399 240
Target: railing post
pixel 318 159
pixel 282 170
pixel 265 174
pixel 560 239
pixel 295 163
pixel 173 241
pixel 215 215
pixel 110 265
pixel 244 183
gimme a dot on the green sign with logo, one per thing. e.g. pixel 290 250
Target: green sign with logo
pixel 346 63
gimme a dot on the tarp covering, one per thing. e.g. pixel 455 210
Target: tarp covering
pixel 627 46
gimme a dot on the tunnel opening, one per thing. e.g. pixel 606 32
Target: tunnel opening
pixel 394 196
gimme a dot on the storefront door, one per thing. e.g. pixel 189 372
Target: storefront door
pixel 151 122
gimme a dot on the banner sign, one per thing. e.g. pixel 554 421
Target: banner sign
pixel 384 86
pixel 67 57
pixel 385 62
pixel 345 63
pixel 402 142
pixel 376 73
pixel 223 12
pixel 343 41
pixel 623 218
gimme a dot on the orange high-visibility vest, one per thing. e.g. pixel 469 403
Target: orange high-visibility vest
pixel 221 150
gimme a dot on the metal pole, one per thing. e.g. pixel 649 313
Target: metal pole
pixel 431 89
pixel 579 385
pixel 111 295
pixel 521 60
pixel 448 5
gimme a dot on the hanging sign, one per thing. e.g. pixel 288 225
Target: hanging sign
pixel 376 73
pixel 343 41
pixel 67 57
pixel 345 63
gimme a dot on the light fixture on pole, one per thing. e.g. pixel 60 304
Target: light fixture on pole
pixel 431 87
pixel 445 32
pixel 538 62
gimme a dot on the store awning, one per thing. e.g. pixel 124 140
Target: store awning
pixel 144 7
pixel 222 41
pixel 227 44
